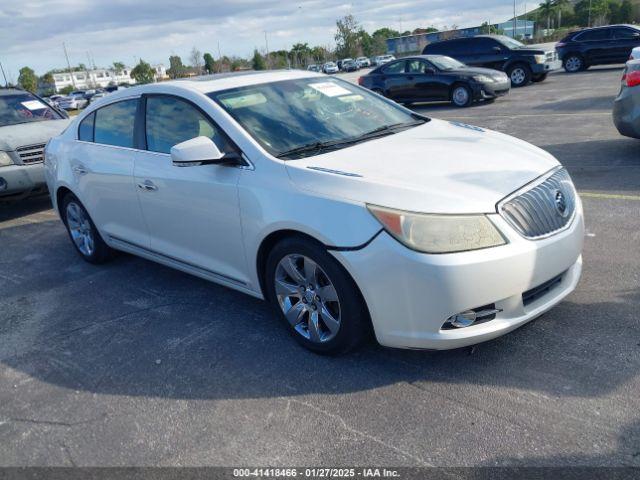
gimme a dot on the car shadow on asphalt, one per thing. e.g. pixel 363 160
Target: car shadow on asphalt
pixel 136 328
pixel 12 209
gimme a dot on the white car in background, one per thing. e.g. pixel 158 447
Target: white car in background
pixel 382 59
pixel 363 62
pixel 330 67
pixel 635 54
pixel 343 209
pixel 73 101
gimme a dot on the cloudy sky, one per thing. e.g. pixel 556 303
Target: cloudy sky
pixel 32 31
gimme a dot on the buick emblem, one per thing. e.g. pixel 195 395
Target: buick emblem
pixel 561 203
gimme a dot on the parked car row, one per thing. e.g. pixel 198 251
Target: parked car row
pixel 80 99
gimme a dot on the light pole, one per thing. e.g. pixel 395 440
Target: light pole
pixel 515 19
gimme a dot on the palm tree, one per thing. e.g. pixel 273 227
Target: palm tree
pixel 560 5
pixel 547 8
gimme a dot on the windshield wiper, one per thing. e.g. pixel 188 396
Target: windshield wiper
pixel 329 145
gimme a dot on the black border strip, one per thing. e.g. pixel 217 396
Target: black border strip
pixel 358 247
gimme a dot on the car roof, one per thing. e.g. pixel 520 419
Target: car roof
pixel 12 91
pixel 220 81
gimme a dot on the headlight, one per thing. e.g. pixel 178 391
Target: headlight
pixel 5 159
pixel 483 79
pixel 430 233
pixel 540 58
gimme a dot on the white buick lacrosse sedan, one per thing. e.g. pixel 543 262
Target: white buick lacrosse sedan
pixel 347 212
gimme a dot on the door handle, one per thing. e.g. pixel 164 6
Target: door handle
pixel 80 170
pixel 147 186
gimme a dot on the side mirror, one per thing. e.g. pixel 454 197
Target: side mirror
pixel 197 151
pixel 497 49
pixel 429 71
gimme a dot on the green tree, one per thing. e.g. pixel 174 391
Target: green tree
pixel 347 37
pixel 546 10
pixel 380 37
pixel 257 62
pixel 176 68
pixel 118 68
pixel 209 63
pixel 300 52
pixel 560 7
pixel 66 90
pixel 143 72
pixel 28 79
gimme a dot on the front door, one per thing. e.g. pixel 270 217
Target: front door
pixel 193 212
pixel 425 82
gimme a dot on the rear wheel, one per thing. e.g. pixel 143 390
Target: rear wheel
pixel 317 299
pixel 574 63
pixel 520 75
pixel 461 96
pixel 539 78
pixel 83 233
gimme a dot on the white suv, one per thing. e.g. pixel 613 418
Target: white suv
pixel 343 209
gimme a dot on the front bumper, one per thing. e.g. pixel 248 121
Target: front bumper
pixel 16 179
pixel 538 68
pixel 487 91
pixel 410 295
pixel 626 112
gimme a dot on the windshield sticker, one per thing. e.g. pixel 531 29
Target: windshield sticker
pixel 246 100
pixel 351 98
pixel 34 105
pixel 330 89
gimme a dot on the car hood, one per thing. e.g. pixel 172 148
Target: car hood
pixel 532 50
pixel 476 71
pixel 438 167
pixel 32 133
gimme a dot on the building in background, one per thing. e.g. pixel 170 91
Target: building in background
pixel 416 43
pixel 100 78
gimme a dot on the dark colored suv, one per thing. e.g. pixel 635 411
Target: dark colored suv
pixel 597 46
pixel 522 63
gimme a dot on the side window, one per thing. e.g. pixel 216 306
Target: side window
pixel 171 121
pixel 482 46
pixel 625 33
pixel 416 66
pixel 594 35
pixel 457 47
pixel 114 123
pixel 85 130
pixel 396 67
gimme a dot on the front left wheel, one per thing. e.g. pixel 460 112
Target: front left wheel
pixel 82 231
pixel 461 96
pixel 316 297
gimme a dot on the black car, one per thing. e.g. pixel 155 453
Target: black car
pixel 350 65
pixel 597 46
pixel 522 63
pixel 426 78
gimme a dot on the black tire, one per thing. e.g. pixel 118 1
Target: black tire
pixel 461 95
pixel 574 63
pixel 354 325
pixel 539 78
pixel 101 252
pixel 520 75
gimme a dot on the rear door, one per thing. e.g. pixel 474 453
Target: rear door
pixel 489 53
pixel 424 82
pixel 624 40
pixel 394 79
pixel 102 163
pixel 192 212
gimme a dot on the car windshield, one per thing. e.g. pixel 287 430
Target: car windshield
pixel 446 63
pixel 298 118
pixel 509 42
pixel 24 108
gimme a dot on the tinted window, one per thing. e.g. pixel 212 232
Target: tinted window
pixel 625 33
pixel 455 47
pixel 85 131
pixel 396 67
pixel 171 121
pixel 592 35
pixel 114 124
pixel 416 66
pixel 481 46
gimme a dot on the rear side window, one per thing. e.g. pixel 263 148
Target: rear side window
pixel 396 67
pixel 593 35
pixel 625 33
pixel 171 120
pixel 85 131
pixel 114 123
pixel 482 46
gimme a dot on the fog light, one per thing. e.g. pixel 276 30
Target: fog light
pixel 471 317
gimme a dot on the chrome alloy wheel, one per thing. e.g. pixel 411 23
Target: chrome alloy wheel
pixel 518 76
pixel 460 96
pixel 307 298
pixel 80 229
pixel 573 64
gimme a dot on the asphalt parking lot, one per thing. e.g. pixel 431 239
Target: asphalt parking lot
pixel 133 363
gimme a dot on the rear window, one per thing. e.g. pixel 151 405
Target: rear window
pixel 114 124
pixel 24 108
pixel 85 130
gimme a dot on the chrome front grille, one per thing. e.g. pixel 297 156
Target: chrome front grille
pixel 544 209
pixel 552 56
pixel 31 154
